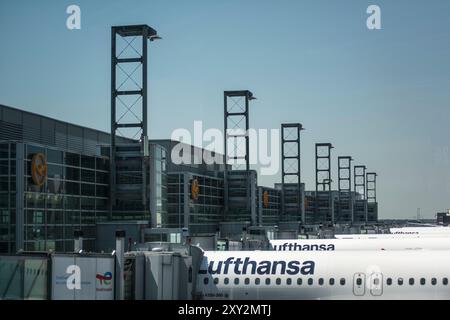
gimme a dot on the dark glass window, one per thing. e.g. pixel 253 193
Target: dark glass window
pixel 12 165
pixel 400 281
pixel 288 281
pixel 236 280
pixel 87 189
pixel 342 281
pixel 72 174
pixel 4 167
pixel 205 280
pixel 72 203
pixel 88 203
pixel 102 164
pixel 54 156
pixel 216 280
pixel 278 281
pixel 411 281
pixel 54 171
pixel 445 281
pixel 4 198
pixel 433 281
pixel 72 159
pixel 101 204
pixel 73 188
pixel 257 281
pixel 87 175
pixel 247 281
pixel 358 281
pixel 267 281
pixel 331 281
pixel 321 281
pixel 422 281
pixel 389 281
pixel 226 281
pixel 310 281
pixel 102 191
pixel 4 152
pixel 88 162
pixel 299 281
pixel 102 177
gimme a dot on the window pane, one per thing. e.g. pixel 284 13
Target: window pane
pixel 54 156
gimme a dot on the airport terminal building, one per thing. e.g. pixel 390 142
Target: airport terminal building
pixel 55 178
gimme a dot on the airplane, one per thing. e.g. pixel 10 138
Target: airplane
pixel 361 244
pixel 409 235
pixel 346 275
pixel 421 230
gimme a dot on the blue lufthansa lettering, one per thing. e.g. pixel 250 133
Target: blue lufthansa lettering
pixel 265 267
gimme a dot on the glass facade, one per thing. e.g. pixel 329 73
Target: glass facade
pixel 202 212
pixel 158 184
pixel 74 196
pixel 7 197
pixel 269 206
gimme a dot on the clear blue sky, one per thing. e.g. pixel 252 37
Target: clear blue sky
pixel 381 96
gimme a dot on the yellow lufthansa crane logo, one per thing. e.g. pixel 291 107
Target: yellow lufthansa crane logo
pixel 39 169
pixel 266 199
pixel 195 189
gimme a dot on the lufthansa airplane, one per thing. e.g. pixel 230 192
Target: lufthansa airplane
pixel 404 234
pixel 361 244
pixel 429 231
pixel 324 275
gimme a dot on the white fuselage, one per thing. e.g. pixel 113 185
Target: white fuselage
pixel 405 274
pixel 402 243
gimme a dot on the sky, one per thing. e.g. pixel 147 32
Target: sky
pixel 380 96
